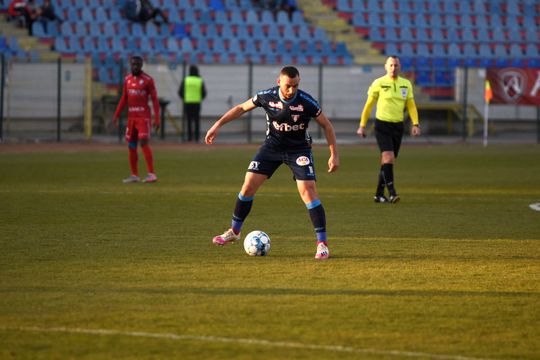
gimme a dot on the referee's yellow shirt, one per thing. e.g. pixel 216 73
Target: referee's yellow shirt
pixel 391 96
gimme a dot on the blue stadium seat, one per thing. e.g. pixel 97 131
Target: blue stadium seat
pixel 298 18
pixel 500 51
pixel 439 50
pixel 391 49
pixel 407 49
pixel 282 18
pixel 531 50
pixel 483 35
pixel 37 30
pixel 221 18
pixel 86 15
pixel 481 21
pixel 484 50
pixel 454 51
pixel 422 50
pixel 95 29
pixel 498 35
pixel 469 51
pixel 252 17
pixel 236 18
pixel 516 51
pixel 101 15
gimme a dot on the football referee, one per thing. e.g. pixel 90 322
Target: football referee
pixel 391 93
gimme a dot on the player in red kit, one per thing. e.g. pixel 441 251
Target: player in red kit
pixel 138 86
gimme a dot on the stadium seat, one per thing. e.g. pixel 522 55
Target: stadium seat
pixel 37 30
pixel 516 51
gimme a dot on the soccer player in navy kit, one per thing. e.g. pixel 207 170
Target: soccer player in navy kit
pixel 288 112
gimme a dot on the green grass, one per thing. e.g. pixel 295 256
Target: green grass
pixel 93 268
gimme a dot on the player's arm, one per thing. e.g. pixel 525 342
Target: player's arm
pixel 365 115
pixel 155 104
pixel 413 113
pixel 121 104
pixel 326 125
pixel 233 113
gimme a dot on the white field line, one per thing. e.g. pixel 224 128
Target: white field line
pixel 242 341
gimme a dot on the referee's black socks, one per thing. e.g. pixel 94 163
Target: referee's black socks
pixel 380 185
pixel 388 177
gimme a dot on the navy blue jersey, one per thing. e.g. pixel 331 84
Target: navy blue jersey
pixel 287 121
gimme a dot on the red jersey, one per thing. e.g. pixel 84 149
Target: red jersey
pixel 16 8
pixel 135 94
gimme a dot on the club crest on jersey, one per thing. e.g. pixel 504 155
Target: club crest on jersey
pixel 404 93
pixel 303 161
pixel 277 105
pixel 299 108
pixel 295 117
pixel 254 165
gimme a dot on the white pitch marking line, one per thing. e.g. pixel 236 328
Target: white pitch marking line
pixel 217 339
pixel 535 206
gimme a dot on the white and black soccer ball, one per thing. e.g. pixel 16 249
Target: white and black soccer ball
pixel 257 243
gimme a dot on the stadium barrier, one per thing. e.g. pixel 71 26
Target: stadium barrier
pixel 59 101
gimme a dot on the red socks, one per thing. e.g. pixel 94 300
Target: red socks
pixel 147 152
pixel 133 159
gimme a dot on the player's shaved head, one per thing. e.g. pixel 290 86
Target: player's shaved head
pixel 290 71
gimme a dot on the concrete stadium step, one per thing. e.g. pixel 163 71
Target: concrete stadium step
pixel 339 30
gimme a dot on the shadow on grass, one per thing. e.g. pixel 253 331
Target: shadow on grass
pixel 273 291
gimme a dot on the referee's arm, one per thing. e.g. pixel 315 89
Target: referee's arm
pixel 365 115
pixel 413 113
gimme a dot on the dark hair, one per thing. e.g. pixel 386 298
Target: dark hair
pixel 137 57
pixel 290 71
pixel 193 70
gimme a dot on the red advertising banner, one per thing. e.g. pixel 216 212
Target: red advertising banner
pixel 515 86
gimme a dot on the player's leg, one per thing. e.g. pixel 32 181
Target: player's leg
pixel 244 202
pixel 197 123
pixel 144 126
pixel 379 193
pixel 190 118
pixel 261 168
pixel 384 134
pixel 308 192
pixel 389 159
pixel 387 171
pixel 132 138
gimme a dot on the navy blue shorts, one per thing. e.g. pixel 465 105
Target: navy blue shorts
pixel 389 135
pixel 267 160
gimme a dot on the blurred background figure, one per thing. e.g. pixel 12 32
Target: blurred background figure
pixel 192 92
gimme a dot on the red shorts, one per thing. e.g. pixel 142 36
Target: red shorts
pixel 138 129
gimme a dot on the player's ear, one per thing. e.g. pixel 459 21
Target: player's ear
pixel 278 80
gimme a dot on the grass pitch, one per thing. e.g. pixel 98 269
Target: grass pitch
pixel 92 268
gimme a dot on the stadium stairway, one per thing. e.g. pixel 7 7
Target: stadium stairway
pixel 323 16
pixel 24 46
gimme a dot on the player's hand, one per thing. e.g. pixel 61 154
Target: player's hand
pixel 415 130
pixel 361 131
pixel 156 125
pixel 210 136
pixel 333 163
pixel 115 121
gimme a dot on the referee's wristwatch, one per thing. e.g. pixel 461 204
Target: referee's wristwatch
pixel 417 125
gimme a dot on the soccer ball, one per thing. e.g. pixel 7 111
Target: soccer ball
pixel 257 243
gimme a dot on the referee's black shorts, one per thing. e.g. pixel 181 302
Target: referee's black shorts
pixel 389 135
